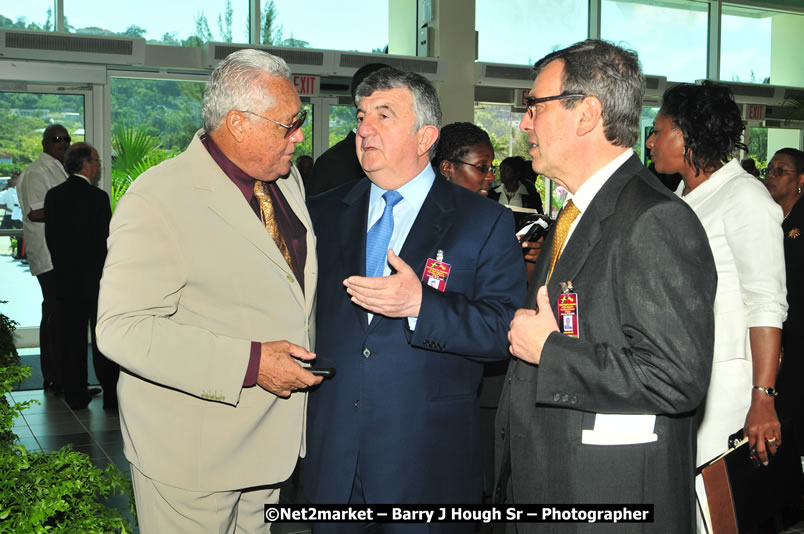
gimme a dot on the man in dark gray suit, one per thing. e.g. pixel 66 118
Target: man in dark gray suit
pixel 614 352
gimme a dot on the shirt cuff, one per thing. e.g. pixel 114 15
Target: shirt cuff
pixel 253 370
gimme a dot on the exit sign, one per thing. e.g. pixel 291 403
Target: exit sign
pixel 307 85
pixel 756 112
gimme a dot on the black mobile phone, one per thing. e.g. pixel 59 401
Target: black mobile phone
pixel 326 372
pixel 541 225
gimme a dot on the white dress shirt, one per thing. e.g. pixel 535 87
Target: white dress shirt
pixel 40 176
pixel 405 212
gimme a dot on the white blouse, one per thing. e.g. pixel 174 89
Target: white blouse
pixel 744 227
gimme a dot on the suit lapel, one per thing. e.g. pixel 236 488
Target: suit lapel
pixel 586 235
pixel 425 236
pixel 292 192
pixel 352 226
pixel 226 201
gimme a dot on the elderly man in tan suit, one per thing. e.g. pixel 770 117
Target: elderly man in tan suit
pixel 207 303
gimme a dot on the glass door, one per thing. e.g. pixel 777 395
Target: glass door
pixel 25 115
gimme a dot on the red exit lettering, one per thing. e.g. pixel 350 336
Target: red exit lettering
pixel 305 85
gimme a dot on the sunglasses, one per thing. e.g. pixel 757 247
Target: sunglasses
pixel 485 169
pixel 291 128
pixel 61 139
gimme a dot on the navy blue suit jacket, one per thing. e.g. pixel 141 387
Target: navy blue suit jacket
pixel 404 403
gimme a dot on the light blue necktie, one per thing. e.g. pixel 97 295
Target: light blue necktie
pixel 379 236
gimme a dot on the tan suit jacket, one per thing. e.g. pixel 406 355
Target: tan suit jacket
pixel 191 278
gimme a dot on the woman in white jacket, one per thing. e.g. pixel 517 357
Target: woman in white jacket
pixel 695 133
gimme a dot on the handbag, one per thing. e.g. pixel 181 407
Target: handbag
pixel 737 494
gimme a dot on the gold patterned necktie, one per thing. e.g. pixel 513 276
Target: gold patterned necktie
pixel 568 214
pixel 269 220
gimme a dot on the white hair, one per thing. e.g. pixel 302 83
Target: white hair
pixel 233 85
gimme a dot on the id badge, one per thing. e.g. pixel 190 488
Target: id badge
pixel 567 306
pixel 436 273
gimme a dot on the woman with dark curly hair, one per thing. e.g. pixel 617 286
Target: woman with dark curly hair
pixel 695 134
pixel 465 156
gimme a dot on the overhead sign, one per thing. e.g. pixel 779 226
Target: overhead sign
pixel 524 97
pixel 756 112
pixel 307 85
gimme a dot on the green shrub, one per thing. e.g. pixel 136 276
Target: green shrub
pixel 59 491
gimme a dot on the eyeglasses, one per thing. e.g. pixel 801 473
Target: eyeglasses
pixel 775 171
pixel 531 101
pixel 291 128
pixel 485 169
pixel 60 139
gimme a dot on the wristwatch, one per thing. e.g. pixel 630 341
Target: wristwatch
pixel 769 391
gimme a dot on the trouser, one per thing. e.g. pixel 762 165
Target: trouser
pixel 78 315
pixel 162 508
pixel 50 331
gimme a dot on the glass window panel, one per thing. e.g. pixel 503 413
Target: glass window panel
pixel 29 15
pixel 305 148
pixel 24 117
pixel 508 31
pixel 745 44
pixel 159 22
pixel 325 24
pixel 163 114
pixel 341 122
pixel 501 122
pixel 670 39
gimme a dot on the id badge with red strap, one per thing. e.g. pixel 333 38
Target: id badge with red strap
pixel 436 272
pixel 567 306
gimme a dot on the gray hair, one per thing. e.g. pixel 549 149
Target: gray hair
pixel 426 106
pixel 76 155
pixel 234 85
pixel 612 75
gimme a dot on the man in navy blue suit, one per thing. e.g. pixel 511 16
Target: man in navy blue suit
pixel 419 281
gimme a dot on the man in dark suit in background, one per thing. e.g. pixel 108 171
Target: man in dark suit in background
pixel 432 275
pixel 613 356
pixel 339 164
pixel 78 215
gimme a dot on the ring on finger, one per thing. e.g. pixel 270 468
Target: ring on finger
pixel 771 440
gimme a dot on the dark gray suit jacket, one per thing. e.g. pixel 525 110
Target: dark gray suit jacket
pixel 640 263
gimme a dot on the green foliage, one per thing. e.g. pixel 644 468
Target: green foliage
pixel 59 491
pixel 136 151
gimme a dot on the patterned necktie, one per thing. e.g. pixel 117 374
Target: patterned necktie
pixel 568 214
pixel 269 220
pixel 379 236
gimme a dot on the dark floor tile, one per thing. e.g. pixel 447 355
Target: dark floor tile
pixel 100 423
pixel 52 443
pixel 23 432
pixel 67 426
pixel 113 449
pixel 107 436
pixel 48 417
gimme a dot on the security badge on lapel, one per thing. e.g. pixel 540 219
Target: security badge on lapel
pixel 567 306
pixel 436 272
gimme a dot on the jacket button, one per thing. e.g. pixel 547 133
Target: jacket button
pixel 502 433
pixel 557 397
pixel 291 279
pixel 565 398
pixel 366 352
pixel 573 400
pixel 357 404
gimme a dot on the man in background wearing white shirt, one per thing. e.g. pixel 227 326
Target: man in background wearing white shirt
pixel 40 176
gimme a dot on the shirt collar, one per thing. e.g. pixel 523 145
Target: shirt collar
pixel 238 176
pixel 414 192
pixel 587 192
pixel 84 177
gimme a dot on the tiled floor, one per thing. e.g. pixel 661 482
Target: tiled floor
pixel 96 432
